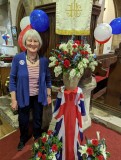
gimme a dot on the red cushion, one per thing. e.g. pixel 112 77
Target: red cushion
pixel 100 78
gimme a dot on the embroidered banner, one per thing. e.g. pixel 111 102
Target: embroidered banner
pixel 73 17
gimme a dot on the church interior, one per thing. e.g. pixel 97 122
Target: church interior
pixel 101 88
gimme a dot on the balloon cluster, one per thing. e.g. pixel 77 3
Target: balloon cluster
pixel 103 31
pixel 116 25
pixel 37 20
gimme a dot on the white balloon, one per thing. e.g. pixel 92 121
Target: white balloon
pixel 24 22
pixel 102 32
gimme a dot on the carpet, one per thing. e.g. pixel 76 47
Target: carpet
pixel 8 144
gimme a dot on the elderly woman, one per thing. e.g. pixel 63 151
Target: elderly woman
pixel 30 85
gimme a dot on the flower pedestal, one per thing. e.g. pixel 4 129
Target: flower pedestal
pixel 87 88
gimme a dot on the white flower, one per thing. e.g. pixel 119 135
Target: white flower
pixel 36 145
pixel 78 74
pixel 83 150
pixel 58 71
pixel 87 48
pixel 92 65
pixel 72 73
pixel 52 64
pixel 81 71
pixel 52 156
pixel 52 58
pixel 92 68
pixel 95 63
pixel 80 65
pixel 98 135
pixel 103 151
pixel 69 45
pixel 63 47
pixel 85 60
pixel 84 65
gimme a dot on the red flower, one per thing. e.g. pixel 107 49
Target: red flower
pixel 39 154
pixel 59 56
pixel 43 157
pixel 82 45
pixel 95 142
pixel 56 63
pixel 100 157
pixel 50 131
pixel 44 139
pixel 74 45
pixel 65 52
pixel 74 53
pixel 66 63
pixel 54 147
pixel 57 45
pixel 43 147
pixel 77 42
pixel 84 52
pixel 90 151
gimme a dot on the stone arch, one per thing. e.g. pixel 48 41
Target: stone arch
pixel 20 14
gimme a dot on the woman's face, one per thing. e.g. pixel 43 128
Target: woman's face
pixel 32 44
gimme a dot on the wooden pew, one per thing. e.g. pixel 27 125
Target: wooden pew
pixel 113 93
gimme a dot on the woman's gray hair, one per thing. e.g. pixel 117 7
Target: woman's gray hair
pixel 33 34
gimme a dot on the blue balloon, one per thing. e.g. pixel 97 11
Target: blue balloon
pixel 116 25
pixel 39 20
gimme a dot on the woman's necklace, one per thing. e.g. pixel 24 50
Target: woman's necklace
pixel 33 61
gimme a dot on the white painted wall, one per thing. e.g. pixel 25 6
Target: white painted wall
pixel 13 6
pixel 106 16
pixel 109 15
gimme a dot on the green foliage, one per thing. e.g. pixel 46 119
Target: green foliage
pixel 47 147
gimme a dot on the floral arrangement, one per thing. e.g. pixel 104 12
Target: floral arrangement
pixel 73 58
pixel 47 147
pixel 94 149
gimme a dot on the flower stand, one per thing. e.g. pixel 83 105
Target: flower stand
pixel 87 88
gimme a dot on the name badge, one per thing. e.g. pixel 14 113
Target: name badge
pixel 21 62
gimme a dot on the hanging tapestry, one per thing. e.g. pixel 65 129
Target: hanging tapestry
pixel 73 17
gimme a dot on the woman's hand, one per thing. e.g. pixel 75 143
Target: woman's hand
pixel 49 100
pixel 14 105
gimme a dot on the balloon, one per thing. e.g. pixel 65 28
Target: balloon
pixel 116 25
pixel 24 22
pixel 102 42
pixel 39 20
pixel 20 37
pixel 102 32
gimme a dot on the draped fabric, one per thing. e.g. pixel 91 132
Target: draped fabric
pixel 73 17
pixel 68 112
